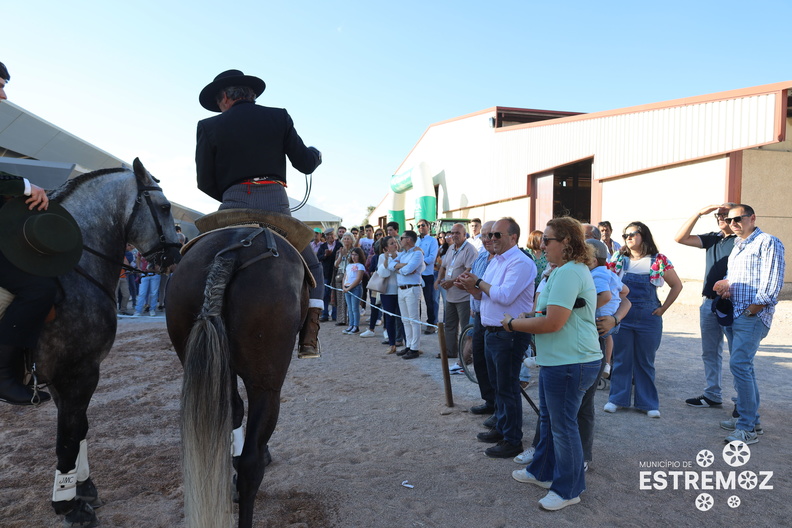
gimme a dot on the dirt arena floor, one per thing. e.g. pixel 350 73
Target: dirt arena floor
pixel 357 424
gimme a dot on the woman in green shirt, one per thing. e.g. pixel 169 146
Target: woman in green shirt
pixel 569 353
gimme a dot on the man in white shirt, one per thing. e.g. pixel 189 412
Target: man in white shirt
pixel 409 264
pixel 475 234
pixel 506 287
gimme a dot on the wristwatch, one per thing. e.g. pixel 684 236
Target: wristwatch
pixel 748 313
pixel 478 282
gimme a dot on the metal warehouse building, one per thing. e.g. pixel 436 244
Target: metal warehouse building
pixel 658 163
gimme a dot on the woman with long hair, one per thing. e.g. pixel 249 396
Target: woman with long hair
pixel 353 288
pixel 642 269
pixel 389 298
pixel 536 253
pixel 342 260
pixel 567 349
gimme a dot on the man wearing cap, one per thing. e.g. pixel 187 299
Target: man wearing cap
pixel 240 159
pixel 718 246
pixel 24 317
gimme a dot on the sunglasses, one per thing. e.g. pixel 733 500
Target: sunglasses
pixel 625 236
pixel 545 240
pixel 496 234
pixel 719 216
pixel 735 219
pixel 422 225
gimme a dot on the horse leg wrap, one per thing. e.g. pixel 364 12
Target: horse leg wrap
pixel 238 441
pixel 83 471
pixel 65 488
pixel 316 303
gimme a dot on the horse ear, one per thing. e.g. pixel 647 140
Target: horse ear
pixel 141 173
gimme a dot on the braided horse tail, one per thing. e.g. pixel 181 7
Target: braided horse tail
pixel 206 409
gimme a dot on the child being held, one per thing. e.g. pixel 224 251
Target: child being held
pixel 610 294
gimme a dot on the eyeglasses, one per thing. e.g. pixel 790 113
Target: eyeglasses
pixel 545 240
pixel 719 216
pixel 735 219
pixel 625 236
pixel 496 234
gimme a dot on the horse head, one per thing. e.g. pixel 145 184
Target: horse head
pixel 157 225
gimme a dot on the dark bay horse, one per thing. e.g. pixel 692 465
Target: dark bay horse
pixel 112 207
pixel 235 305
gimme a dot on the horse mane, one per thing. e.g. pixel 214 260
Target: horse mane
pixel 65 190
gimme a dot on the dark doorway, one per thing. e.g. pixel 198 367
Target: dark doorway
pixel 563 191
pixel 572 190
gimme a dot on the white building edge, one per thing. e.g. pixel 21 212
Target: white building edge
pixel 657 163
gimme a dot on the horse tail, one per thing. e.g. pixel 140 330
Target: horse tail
pixel 206 409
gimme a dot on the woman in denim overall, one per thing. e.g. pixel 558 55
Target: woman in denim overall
pixel 643 270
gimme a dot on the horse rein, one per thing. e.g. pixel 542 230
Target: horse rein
pixel 143 192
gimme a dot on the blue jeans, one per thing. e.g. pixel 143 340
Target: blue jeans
pixel 148 293
pixel 390 303
pixel 634 350
pixel 559 453
pixel 429 299
pixel 480 362
pixel 744 336
pixel 504 352
pixel 353 305
pixel 327 293
pixel 711 350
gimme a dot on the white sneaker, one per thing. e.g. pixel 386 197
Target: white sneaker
pixel 653 414
pixel 526 457
pixel 384 334
pixel 553 501
pixel 610 407
pixel 522 475
pixel 153 313
pixel 137 314
pixel 368 333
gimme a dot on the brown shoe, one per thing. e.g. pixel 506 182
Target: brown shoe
pixel 392 350
pixel 309 335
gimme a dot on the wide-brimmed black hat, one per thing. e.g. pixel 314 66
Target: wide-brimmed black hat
pixel 44 243
pixel 208 97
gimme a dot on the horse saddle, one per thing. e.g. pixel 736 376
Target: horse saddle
pixel 289 228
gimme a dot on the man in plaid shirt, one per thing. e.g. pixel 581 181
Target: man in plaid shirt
pixel 754 279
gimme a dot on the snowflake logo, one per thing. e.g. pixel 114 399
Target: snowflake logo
pixel 705 458
pixel 704 501
pixel 736 453
pixel 734 501
pixel 747 480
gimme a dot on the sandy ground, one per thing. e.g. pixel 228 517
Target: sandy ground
pixel 357 423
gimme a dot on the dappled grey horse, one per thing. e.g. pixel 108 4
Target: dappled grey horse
pixel 112 207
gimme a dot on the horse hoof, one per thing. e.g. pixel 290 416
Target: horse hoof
pixel 87 492
pixel 82 516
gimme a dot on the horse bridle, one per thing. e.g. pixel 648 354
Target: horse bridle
pixel 143 192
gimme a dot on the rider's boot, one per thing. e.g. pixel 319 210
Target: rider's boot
pixel 309 335
pixel 11 388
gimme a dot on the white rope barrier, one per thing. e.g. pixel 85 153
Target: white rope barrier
pixel 368 304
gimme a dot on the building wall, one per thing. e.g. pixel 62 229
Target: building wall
pixel 664 200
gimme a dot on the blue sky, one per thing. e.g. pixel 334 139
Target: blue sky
pixel 363 80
